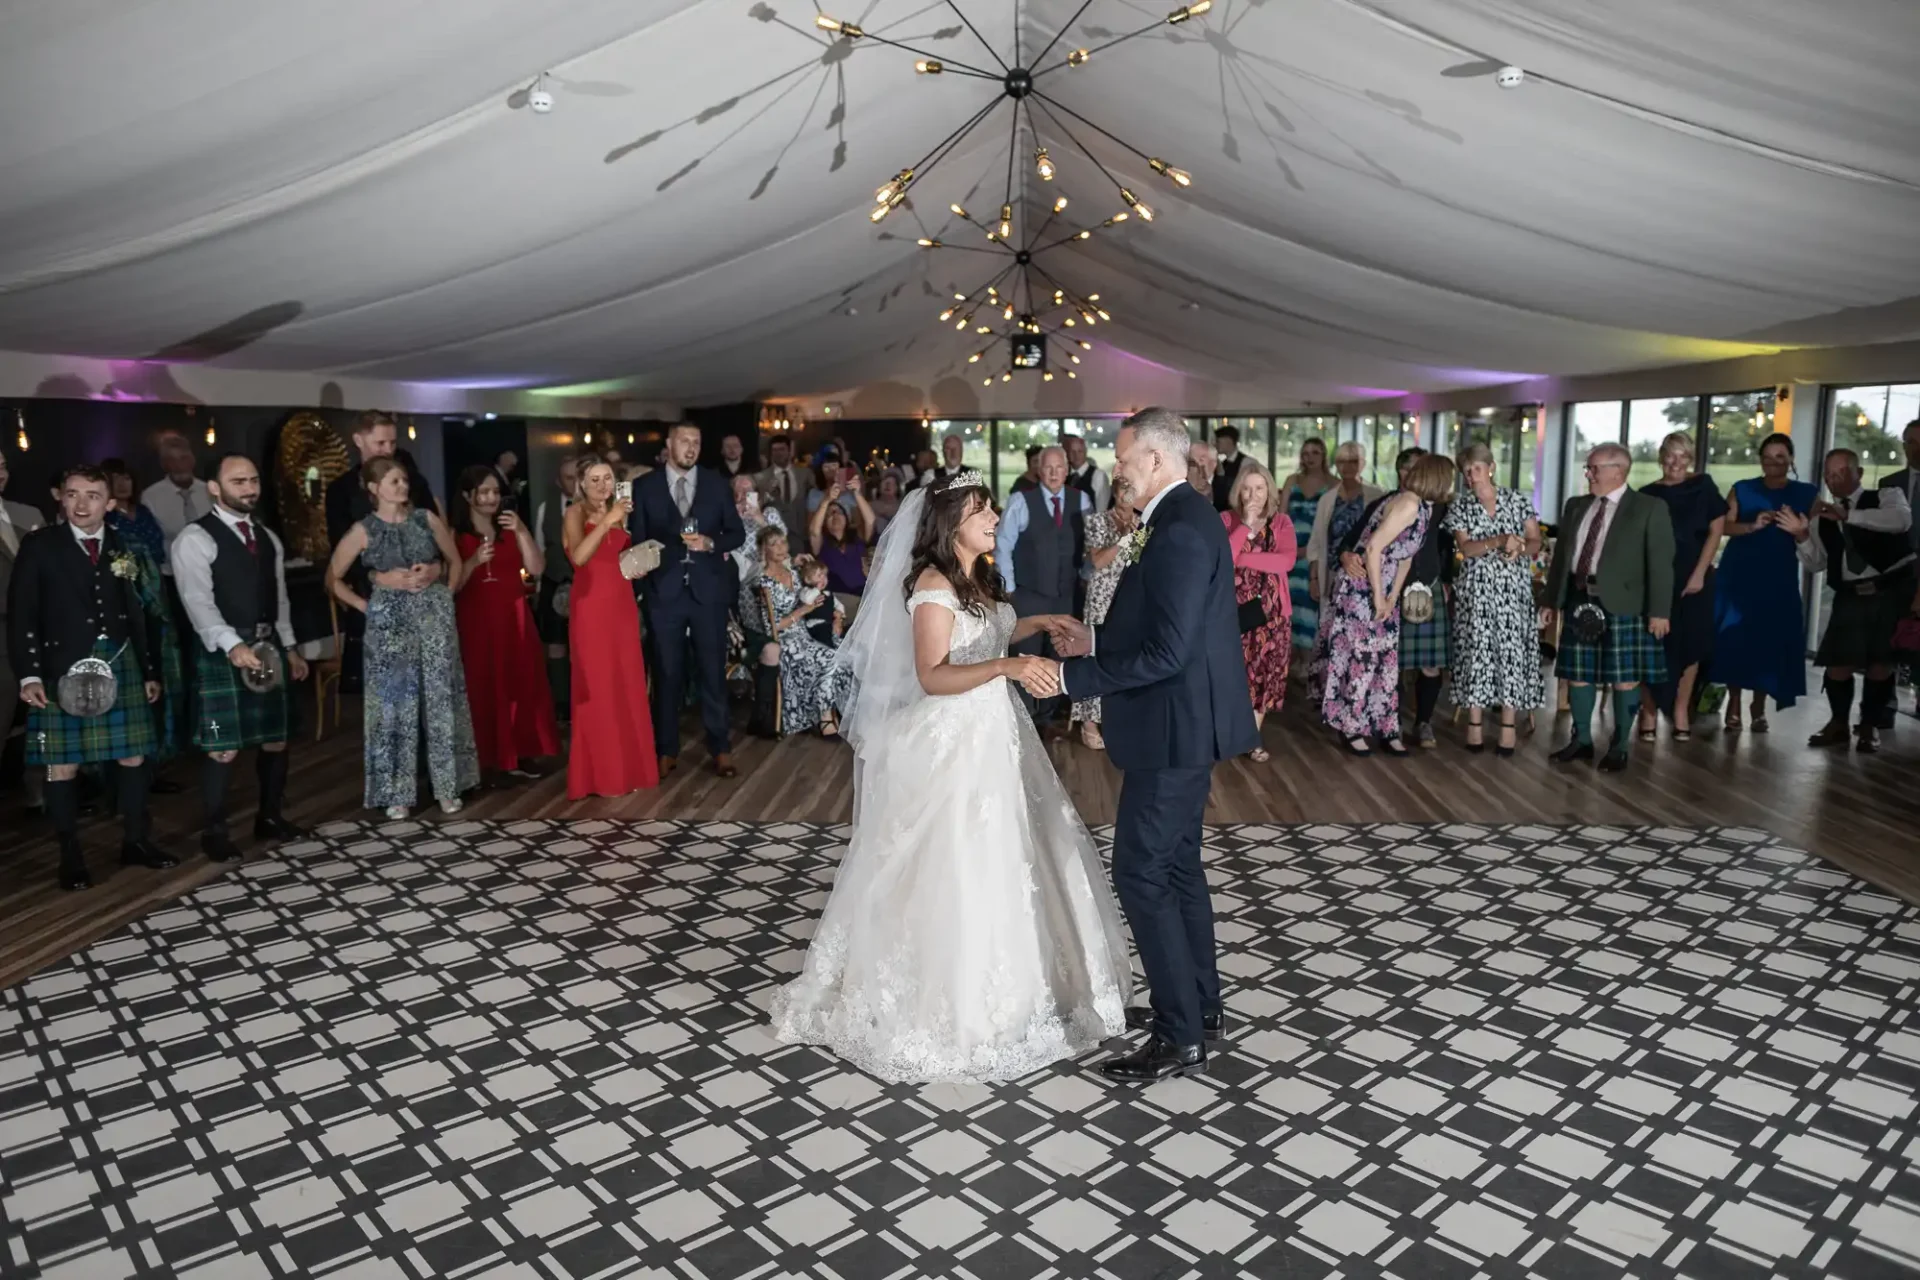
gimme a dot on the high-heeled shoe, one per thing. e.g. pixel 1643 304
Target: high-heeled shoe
pixel 1504 750
pixel 1476 727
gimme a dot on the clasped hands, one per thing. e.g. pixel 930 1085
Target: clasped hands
pixel 414 578
pixel 1039 676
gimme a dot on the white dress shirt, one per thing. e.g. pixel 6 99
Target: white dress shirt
pixel 1893 515
pixel 193 554
pixel 1603 510
pixel 176 508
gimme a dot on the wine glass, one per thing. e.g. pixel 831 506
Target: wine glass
pixel 689 528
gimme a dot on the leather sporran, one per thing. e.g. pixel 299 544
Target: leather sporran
pixel 1416 603
pixel 88 690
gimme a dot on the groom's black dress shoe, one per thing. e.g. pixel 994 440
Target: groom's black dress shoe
pixel 1156 1060
pixel 1140 1018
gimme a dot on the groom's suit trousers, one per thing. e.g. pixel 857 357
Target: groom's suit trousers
pixel 1158 878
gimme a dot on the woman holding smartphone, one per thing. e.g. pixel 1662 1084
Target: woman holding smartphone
pixel 839 539
pixel 507 688
pixel 612 724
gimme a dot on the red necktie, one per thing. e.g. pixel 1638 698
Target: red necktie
pixel 246 532
pixel 93 549
pixel 1590 545
pixel 1056 510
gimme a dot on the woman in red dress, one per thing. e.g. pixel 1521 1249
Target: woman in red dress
pixel 499 645
pixel 1264 548
pixel 612 723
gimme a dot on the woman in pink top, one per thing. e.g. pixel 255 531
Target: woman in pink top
pixel 1264 549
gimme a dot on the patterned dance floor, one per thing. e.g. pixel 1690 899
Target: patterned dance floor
pixel 536 1049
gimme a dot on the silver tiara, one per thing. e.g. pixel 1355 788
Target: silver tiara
pixel 967 479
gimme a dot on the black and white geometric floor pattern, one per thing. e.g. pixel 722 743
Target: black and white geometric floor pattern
pixel 536 1050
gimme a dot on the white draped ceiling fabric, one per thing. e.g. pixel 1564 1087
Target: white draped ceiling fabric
pixel 356 187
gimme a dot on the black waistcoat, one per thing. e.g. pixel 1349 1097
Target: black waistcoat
pixel 1882 550
pixel 244 587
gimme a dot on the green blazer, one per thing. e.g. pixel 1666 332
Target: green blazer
pixel 1635 577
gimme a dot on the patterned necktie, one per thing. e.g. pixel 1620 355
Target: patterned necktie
pixel 8 536
pixel 1590 545
pixel 246 533
pixel 1056 510
pixel 93 549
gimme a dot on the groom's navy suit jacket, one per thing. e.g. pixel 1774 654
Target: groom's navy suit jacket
pixel 1167 664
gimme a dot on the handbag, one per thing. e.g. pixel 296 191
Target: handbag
pixel 1416 603
pixel 1253 615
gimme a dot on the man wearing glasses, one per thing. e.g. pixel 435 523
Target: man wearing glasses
pixel 1612 567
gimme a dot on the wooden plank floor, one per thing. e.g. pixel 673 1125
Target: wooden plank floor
pixel 1862 813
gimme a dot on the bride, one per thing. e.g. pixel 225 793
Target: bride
pixel 970 935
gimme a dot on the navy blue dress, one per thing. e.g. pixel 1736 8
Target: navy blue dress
pixel 1695 503
pixel 1759 642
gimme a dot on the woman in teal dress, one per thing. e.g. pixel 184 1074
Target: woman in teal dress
pixel 416 687
pixel 1303 489
pixel 1759 634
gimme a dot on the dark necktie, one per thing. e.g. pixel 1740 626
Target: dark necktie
pixel 246 533
pixel 1856 558
pixel 1056 510
pixel 93 549
pixel 1590 545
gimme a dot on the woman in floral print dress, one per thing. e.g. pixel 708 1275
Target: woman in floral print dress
pixel 1104 533
pixel 1358 660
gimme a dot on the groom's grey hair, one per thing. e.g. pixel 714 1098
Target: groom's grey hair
pixel 1161 430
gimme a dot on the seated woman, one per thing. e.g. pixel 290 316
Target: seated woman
pixel 811 683
pixel 831 534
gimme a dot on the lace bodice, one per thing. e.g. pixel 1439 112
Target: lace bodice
pixel 976 637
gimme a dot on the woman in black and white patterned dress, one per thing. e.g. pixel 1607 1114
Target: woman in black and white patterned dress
pixel 1496 635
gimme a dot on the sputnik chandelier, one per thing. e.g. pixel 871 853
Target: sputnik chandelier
pixel 1023 294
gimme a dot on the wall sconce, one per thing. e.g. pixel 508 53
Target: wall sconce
pixel 20 416
pixel 211 437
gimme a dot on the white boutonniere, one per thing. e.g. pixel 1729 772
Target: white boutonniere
pixel 1134 544
pixel 124 565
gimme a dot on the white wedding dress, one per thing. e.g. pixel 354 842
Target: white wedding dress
pixel 970 935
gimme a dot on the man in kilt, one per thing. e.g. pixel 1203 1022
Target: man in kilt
pixel 73 598
pixel 231 571
pixel 1861 539
pixel 1612 568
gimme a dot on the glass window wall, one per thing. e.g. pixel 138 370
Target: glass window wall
pixel 1648 423
pixel 1870 421
pixel 1736 425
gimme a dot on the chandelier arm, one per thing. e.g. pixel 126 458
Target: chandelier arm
pixel 949 63
pixel 1042 231
pixel 1119 142
pixel 952 140
pixel 977 36
pixel 1102 48
pixel 967 248
pixel 1079 302
pixel 1013 149
pixel 1046 106
pixel 1041 56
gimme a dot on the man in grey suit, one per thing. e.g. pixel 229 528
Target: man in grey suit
pixel 783 485
pixel 17 520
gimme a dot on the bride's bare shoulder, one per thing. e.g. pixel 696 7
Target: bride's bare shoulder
pixel 932 580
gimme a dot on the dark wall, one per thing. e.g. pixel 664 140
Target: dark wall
pixel 863 438
pixel 716 422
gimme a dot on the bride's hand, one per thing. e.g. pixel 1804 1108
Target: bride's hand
pixel 1039 676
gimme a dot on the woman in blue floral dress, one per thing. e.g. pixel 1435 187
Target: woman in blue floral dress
pixel 1357 661
pixel 810 684
pixel 415 685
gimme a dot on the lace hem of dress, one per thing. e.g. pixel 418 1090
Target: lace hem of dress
pixel 919 1057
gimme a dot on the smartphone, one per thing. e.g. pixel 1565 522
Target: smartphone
pixel 623 491
pixel 849 476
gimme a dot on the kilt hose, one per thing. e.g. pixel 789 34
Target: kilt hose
pixel 228 716
pixel 54 737
pixel 1627 654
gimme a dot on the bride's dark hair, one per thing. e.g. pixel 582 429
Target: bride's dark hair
pixel 946 510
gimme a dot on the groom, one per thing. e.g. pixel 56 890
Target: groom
pixel 1167 667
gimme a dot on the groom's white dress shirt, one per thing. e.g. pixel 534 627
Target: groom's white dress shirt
pixel 1146 514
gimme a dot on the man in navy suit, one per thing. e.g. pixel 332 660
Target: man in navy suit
pixel 1167 667
pixel 690 512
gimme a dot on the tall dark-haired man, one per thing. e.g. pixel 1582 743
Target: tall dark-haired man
pixel 73 609
pixel 231 571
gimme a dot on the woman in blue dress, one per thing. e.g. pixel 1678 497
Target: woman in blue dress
pixel 1303 489
pixel 1759 643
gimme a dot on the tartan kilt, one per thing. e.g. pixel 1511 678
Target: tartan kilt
pixel 54 737
pixel 227 716
pixel 1430 643
pixel 1628 654
pixel 1860 628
